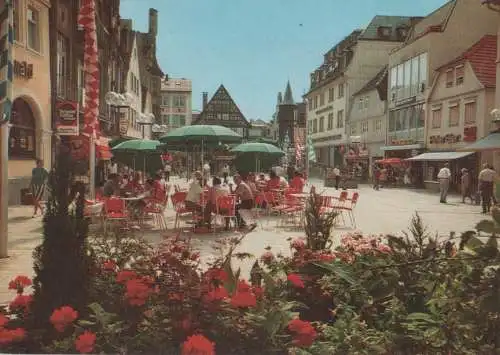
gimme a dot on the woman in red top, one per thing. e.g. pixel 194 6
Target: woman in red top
pixel 297 182
pixel 274 181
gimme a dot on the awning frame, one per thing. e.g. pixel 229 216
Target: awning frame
pixel 440 156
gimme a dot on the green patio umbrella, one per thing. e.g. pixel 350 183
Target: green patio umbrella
pixel 488 143
pixel 200 135
pixel 257 152
pixel 141 152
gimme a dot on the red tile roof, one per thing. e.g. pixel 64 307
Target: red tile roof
pixel 482 57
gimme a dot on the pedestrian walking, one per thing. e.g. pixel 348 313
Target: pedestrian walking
pixel 465 185
pixel 376 178
pixel 167 170
pixel 38 182
pixel 486 180
pixel 444 177
pixel 336 173
pixel 225 173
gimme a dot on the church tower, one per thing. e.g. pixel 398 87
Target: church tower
pixel 286 114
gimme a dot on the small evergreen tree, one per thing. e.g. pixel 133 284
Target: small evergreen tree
pixel 62 263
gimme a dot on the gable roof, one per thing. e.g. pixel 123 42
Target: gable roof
pixel 371 32
pixel 482 58
pixel 222 103
pixel 436 21
pixel 376 83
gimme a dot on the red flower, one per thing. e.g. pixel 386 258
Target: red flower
pixel 243 286
pixel 109 265
pixel 304 333
pixel 137 292
pixel 85 342
pixel 8 336
pixel 243 299
pixel 125 275
pixel 216 294
pixel 326 257
pixel 198 345
pixel 21 302
pixel 19 283
pixel 298 244
pixel 267 258
pixel 62 317
pixel 3 320
pixel 295 280
pixel 216 275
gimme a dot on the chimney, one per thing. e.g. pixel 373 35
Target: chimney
pixel 153 22
pixel 205 100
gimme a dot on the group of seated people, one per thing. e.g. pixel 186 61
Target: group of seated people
pixel 246 188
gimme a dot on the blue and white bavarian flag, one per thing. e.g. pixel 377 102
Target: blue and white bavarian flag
pixel 311 154
pixel 6 68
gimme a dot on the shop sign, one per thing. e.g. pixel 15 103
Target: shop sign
pixel 123 120
pixel 446 139
pixel 67 118
pixel 23 69
pixel 470 134
pixel 402 141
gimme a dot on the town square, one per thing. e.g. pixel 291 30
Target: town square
pixel 177 178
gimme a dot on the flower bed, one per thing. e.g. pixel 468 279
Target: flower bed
pixel 371 295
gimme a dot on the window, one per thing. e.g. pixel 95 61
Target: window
pixel 459 75
pixel 377 125
pixel 394 83
pixel 331 94
pixel 407 78
pixel 364 127
pixel 164 119
pixel 165 100
pixel 310 105
pixel 33 29
pixel 450 78
pixel 22 132
pixel 367 99
pixel 422 68
pixel 392 121
pixel 80 83
pixel 17 21
pixel 62 66
pixel 330 121
pixel 360 103
pixel 179 101
pixel 436 117
pixel 341 91
pixel 353 129
pixel 316 99
pixel 470 113
pixel 315 126
pixel 340 119
pixel 322 99
pixel 454 115
pixel 321 124
pixel 400 83
pixel 414 77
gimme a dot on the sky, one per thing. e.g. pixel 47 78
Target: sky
pixel 254 46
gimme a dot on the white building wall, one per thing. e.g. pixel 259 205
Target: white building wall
pixel 133 86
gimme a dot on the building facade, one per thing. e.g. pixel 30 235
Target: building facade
pixel 176 103
pixel 346 68
pixel 222 110
pixel 30 132
pixel 367 121
pixel 460 101
pixel 432 42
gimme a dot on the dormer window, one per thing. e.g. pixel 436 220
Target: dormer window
pixel 459 75
pixel 450 78
pixel 384 31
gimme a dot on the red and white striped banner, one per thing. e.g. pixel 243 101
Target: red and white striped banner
pixel 300 142
pixel 86 19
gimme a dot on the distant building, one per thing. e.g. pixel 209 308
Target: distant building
pixel 222 110
pixel 259 129
pixel 176 103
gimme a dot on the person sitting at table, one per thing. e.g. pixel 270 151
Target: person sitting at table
pixel 250 180
pixel 214 192
pixel 245 195
pixel 297 182
pixel 274 181
pixel 195 190
pixel 111 186
pixel 261 183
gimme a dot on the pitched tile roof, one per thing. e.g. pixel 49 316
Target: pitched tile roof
pixel 393 22
pixel 436 21
pixel 482 58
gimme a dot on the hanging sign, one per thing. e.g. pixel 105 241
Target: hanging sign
pixel 67 118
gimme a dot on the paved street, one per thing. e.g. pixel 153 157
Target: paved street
pixel 384 211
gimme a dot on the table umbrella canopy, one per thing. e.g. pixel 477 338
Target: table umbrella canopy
pixel 390 161
pixel 258 148
pixel 201 133
pixel 137 145
pixel 490 142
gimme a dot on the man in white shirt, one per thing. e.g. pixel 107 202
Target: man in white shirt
pixel 486 181
pixel 206 171
pixel 167 170
pixel 336 174
pixel 225 172
pixel 444 177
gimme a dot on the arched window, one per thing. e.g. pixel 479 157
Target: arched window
pixel 22 137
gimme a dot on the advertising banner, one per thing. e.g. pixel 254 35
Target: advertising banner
pixel 67 118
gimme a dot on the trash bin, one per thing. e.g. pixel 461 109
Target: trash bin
pixel 26 197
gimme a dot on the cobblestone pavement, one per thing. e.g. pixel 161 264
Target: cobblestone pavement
pixel 384 211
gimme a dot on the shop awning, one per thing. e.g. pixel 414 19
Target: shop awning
pixel 490 142
pixel 440 156
pixel 402 147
